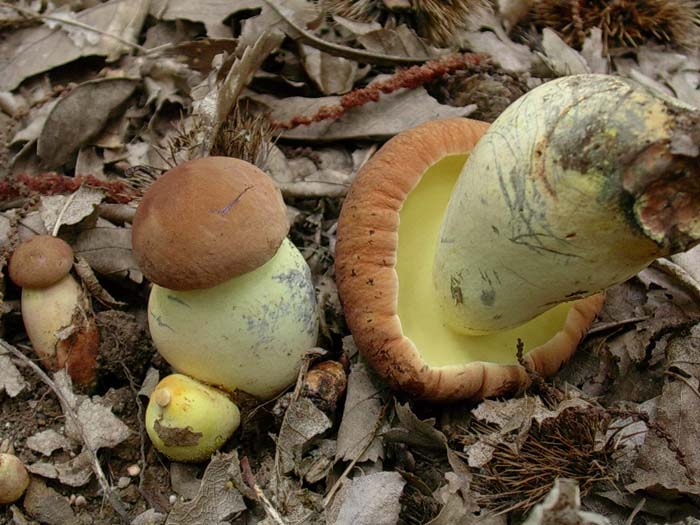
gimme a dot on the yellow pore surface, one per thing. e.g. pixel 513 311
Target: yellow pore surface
pixel 421 217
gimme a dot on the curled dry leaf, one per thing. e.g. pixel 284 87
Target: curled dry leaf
pixel 212 16
pixel 563 506
pixel 80 116
pixel 302 424
pixel 332 75
pixel 399 41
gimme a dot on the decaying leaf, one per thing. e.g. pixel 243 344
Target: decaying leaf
pixel 11 380
pixel 100 427
pixel 217 501
pixel 34 50
pixel 399 41
pixel 360 428
pixel 59 210
pixel 48 441
pixel 333 75
pixel 659 468
pixel 303 422
pixel 372 500
pixel 80 116
pixel 76 472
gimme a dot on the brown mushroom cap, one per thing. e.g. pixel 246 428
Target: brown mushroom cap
pixel 206 221
pixel 368 283
pixel 40 262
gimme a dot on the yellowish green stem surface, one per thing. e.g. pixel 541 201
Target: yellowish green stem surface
pixel 421 218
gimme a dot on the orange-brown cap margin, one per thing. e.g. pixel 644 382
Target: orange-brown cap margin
pixel 367 242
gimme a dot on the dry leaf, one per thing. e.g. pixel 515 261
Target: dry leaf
pixel 332 75
pixel 11 380
pixel 413 431
pixel 359 433
pixel 211 13
pixel 400 41
pixel 48 506
pixel 149 517
pixel 392 114
pixel 516 58
pixel 69 209
pixel 75 472
pixel 217 500
pixel 303 422
pixel 560 57
pixel 101 428
pixel 593 52
pixel 48 441
pixel 81 116
pixel 35 50
pixel 372 500
pixel 678 412
pixel 107 249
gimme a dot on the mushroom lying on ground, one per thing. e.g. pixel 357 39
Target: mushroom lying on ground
pixel 233 303
pixel 55 308
pixel 14 478
pixel 577 186
pixel 188 420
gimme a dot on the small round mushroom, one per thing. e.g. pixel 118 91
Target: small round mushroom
pixel 55 308
pixel 233 303
pixel 14 478
pixel 188 420
pixel 455 242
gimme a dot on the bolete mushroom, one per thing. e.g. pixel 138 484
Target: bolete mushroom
pixel 188 420
pixel 55 308
pixel 233 303
pixel 442 264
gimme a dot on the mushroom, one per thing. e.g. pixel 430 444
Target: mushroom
pixel 55 308
pixel 188 420
pixel 233 303
pixel 577 186
pixel 14 478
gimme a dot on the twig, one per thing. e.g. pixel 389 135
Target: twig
pixel 112 497
pixel 338 50
pixel 637 509
pixel 33 14
pixel 603 327
pixel 269 508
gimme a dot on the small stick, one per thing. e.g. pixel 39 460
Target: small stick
pixel 270 510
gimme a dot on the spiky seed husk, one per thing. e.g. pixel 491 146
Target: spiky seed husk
pixel 439 21
pixel 624 22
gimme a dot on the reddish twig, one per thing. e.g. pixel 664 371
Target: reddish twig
pixel 26 185
pixel 405 78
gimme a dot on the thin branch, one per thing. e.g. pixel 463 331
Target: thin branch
pixel 68 410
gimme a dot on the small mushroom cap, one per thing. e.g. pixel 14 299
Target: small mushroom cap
pixel 206 221
pixel 40 262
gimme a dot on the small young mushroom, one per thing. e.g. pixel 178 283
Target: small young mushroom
pixel 577 186
pixel 232 303
pixel 14 478
pixel 55 308
pixel 188 420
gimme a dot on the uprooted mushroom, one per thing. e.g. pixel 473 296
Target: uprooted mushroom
pixel 458 239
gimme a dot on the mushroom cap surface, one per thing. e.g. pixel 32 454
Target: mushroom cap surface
pixel 368 281
pixel 206 221
pixel 40 262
